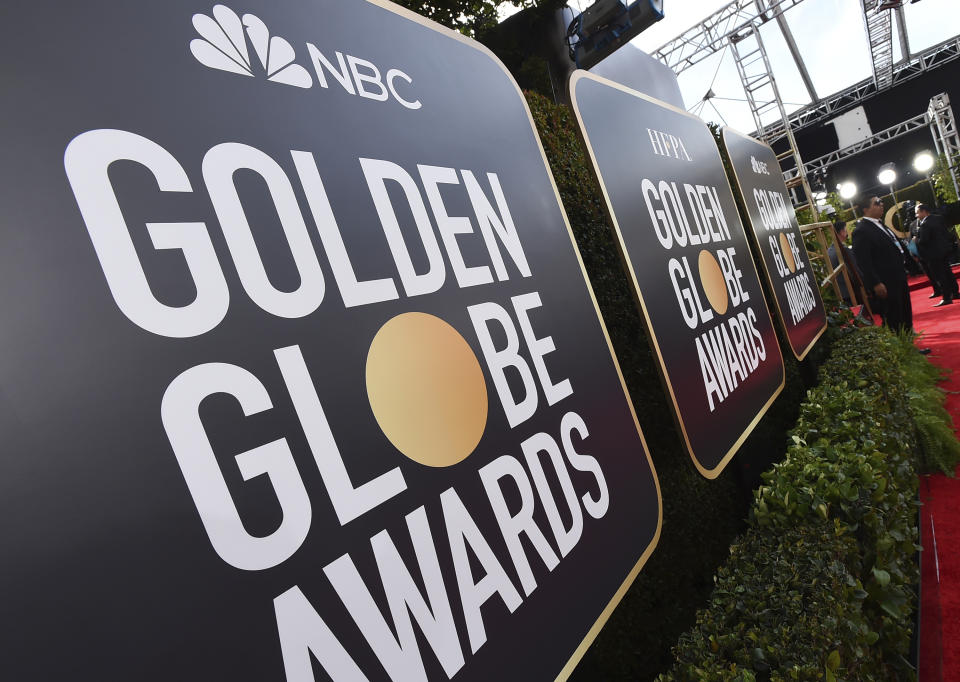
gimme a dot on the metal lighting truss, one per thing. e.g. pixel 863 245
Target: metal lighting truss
pixel 835 104
pixel 710 35
pixel 902 32
pixel 737 25
pixel 880 37
pixel 938 118
pixel 892 133
pixel 759 85
pixel 713 34
pixel 763 97
pixel 945 135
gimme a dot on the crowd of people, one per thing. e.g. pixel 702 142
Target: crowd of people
pixel 878 261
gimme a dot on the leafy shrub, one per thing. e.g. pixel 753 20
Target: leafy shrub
pixel 854 459
pixel 785 607
pixel 939 448
pixel 849 473
pixel 819 587
pixel 683 563
pixel 700 517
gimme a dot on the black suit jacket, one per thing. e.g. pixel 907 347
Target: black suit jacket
pixel 877 255
pixel 932 239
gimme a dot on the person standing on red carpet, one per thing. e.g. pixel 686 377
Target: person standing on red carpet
pixel 934 246
pixel 912 245
pixel 880 256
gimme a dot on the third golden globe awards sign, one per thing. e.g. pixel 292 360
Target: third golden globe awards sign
pixel 777 235
pixel 300 376
pixel 686 251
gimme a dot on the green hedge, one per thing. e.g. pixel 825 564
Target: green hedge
pixel 939 448
pixel 779 598
pixel 821 586
pixel 700 517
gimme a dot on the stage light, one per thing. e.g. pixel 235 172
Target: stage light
pixel 606 25
pixel 888 4
pixel 887 174
pixel 923 162
pixel 848 190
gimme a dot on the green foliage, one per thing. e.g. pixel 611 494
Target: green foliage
pixel 821 265
pixel 470 17
pixel 805 216
pixel 853 459
pixel 678 575
pixel 785 607
pixel 942 180
pixel 833 199
pixel 939 448
pixel 820 585
pixel 918 191
pixel 838 513
pixel 841 212
pixel 700 517
pixel 586 213
pixel 473 18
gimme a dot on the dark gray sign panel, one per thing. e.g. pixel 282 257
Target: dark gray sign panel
pixel 776 234
pixel 636 69
pixel 685 249
pixel 300 375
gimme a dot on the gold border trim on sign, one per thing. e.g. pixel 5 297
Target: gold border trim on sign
pixel 763 254
pixel 575 78
pixel 645 555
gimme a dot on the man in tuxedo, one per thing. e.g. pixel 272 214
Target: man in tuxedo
pixel 880 256
pixel 915 250
pixel 934 246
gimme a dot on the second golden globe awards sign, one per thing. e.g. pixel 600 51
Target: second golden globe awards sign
pixel 686 251
pixel 300 375
pixel 777 235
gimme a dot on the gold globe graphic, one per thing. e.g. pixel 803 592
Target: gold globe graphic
pixel 426 389
pixel 711 278
pixel 787 252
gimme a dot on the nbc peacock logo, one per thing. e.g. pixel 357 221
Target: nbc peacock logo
pixel 223 45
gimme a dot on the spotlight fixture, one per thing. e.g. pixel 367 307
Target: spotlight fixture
pixel 923 162
pixel 888 4
pixel 607 24
pixel 887 174
pixel 848 190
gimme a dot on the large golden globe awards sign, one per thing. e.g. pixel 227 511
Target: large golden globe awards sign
pixel 776 234
pixel 686 252
pixel 300 376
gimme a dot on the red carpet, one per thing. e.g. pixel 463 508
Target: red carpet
pixel 922 282
pixel 940 514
